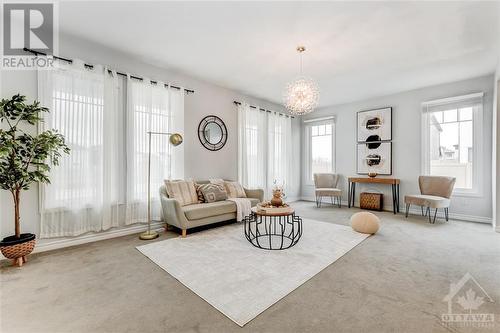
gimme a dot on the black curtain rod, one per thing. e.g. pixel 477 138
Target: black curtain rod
pixel 36 53
pixel 261 109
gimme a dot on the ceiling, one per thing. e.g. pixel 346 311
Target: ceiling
pixel 355 50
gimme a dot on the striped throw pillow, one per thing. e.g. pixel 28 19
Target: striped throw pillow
pixel 201 198
pixel 235 190
pixel 183 191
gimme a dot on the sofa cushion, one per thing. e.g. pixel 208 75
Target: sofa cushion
pixel 208 209
pixel 235 190
pixel 431 201
pixel 213 192
pixel 201 198
pixel 183 191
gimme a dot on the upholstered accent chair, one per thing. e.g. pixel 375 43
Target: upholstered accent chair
pixel 326 186
pixel 435 192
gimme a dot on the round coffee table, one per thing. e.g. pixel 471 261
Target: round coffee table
pixel 273 231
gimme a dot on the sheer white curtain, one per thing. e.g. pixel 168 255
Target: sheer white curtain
pixel 155 108
pixel 279 151
pixel 252 133
pixel 80 198
pixel 264 149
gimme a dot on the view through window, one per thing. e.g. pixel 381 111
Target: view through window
pixel 452 145
pixel 321 149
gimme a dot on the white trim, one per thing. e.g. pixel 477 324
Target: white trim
pixel 306 163
pixel 478 141
pixel 319 119
pixel 417 212
pixel 453 99
pixel 453 216
pixel 59 243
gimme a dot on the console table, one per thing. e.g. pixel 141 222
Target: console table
pixel 394 182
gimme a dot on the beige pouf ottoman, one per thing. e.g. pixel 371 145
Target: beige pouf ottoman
pixel 365 222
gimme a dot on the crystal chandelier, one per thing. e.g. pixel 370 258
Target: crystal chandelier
pixel 302 95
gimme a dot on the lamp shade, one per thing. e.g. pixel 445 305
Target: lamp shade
pixel 176 139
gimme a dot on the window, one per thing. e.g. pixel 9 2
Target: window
pixel 452 130
pixel 319 148
pixel 264 149
pixel 103 182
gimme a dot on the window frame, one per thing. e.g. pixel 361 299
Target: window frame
pixel 458 102
pixel 307 174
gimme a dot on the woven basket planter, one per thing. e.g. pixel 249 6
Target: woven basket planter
pixel 372 201
pixel 18 249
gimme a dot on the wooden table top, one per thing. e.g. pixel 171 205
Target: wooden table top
pixel 375 180
pixel 262 213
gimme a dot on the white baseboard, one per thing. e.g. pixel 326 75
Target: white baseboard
pixel 416 211
pixel 49 244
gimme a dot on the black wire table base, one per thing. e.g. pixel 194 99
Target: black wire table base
pixel 273 232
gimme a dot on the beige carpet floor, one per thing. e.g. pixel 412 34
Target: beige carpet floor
pixel 242 281
pixel 392 282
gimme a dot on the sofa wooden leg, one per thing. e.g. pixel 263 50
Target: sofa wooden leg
pixel 184 233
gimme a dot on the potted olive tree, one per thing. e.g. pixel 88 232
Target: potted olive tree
pixel 24 160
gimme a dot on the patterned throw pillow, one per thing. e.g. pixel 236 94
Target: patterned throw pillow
pixel 213 192
pixel 235 190
pixel 201 198
pixel 183 191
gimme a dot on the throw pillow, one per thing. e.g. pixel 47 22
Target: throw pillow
pixel 201 198
pixel 183 191
pixel 235 190
pixel 213 192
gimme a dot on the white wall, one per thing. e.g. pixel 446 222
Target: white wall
pixel 496 152
pixel 407 142
pixel 207 99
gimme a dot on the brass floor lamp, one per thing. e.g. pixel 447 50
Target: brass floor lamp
pixel 175 140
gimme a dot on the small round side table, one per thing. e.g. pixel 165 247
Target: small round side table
pixel 273 231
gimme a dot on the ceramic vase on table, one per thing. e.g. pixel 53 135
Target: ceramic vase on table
pixel 277 200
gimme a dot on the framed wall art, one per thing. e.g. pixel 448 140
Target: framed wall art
pixel 374 157
pixel 375 123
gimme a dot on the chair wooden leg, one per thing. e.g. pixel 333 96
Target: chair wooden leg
pixel 446 214
pixel 184 233
pixel 407 209
pixel 422 209
pixel 435 213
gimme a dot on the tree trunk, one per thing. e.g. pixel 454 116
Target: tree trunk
pixel 17 197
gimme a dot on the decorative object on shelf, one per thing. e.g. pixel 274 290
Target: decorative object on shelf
pixel 212 133
pixel 175 139
pixel 302 95
pixel 374 135
pixel 24 159
pixel 372 174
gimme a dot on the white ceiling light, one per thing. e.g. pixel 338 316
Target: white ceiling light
pixel 302 95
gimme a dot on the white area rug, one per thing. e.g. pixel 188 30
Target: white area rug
pixel 240 280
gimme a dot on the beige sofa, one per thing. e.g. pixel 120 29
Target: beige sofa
pixel 190 216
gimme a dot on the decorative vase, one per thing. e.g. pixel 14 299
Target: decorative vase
pixel 17 248
pixel 276 200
